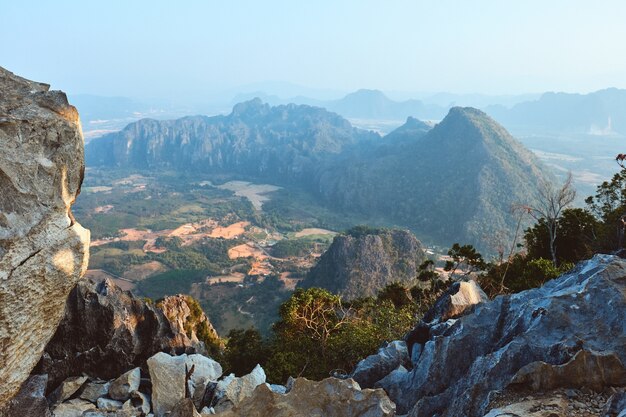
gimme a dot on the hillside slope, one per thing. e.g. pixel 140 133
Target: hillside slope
pixel 455 183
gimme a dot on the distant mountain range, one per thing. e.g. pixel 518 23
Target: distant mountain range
pixel 602 112
pixel 454 182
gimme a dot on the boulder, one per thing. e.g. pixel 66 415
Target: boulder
pixel 107 404
pixel 331 397
pixel 570 332
pixel 128 382
pixel 73 408
pixel 138 402
pixel 107 331
pixel 93 390
pixel 232 390
pixel 30 400
pixel 205 371
pixel 167 374
pixel 375 367
pixel 67 388
pixel 458 300
pixel 43 250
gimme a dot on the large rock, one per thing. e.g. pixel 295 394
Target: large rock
pixel 168 375
pixel 30 400
pixel 570 333
pixel 375 367
pixel 328 398
pixel 43 251
pixel 458 300
pixel 231 390
pixel 126 383
pixel 107 331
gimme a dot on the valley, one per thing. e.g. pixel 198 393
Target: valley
pixel 156 235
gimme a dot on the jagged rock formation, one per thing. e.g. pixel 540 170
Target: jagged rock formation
pixel 362 262
pixel 328 398
pixel 43 251
pixel 455 183
pixel 107 331
pixel 283 144
pixel 570 333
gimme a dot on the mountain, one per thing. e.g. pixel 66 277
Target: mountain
pixel 455 183
pixel 603 111
pixel 283 143
pixel 363 261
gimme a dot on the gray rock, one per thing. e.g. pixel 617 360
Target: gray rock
pixel 572 325
pixel 138 401
pixel 128 382
pixel 331 397
pixel 30 400
pixel 67 388
pixel 278 389
pixel 108 404
pixel 232 390
pixel 44 251
pixel 616 406
pixel 167 374
pixel 73 408
pixel 205 370
pixel 375 367
pixel 94 390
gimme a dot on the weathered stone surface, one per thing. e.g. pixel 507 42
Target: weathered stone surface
pixel 375 367
pixel 94 390
pixel 232 390
pixel 586 369
pixel 459 299
pixel 67 389
pixel 122 386
pixel 167 374
pixel 179 313
pixel 557 407
pixel 107 331
pixel 138 401
pixel 615 406
pixel 30 400
pixel 205 370
pixel 108 404
pixel 73 408
pixel 43 251
pixel 328 398
pixel 184 408
pixel 573 324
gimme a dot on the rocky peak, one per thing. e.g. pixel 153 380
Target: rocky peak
pixel 363 261
pixel 251 109
pixel 107 331
pixel 43 251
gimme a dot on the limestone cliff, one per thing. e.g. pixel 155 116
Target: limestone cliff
pixel 43 251
pixel 363 261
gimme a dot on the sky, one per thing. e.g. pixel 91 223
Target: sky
pixel 179 49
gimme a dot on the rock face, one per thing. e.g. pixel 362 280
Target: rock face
pixel 232 390
pixel 363 261
pixel 30 400
pixel 375 367
pixel 107 331
pixel 169 375
pixel 570 333
pixel 43 251
pixel 328 398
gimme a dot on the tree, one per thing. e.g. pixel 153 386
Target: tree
pixel 465 258
pixel 576 237
pixel 552 201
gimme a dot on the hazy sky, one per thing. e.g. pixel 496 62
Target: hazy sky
pixel 180 48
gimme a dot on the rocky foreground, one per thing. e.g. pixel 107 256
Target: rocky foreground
pixel 43 251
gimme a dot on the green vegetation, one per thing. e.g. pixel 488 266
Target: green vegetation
pixel 318 334
pixel 169 283
pixel 196 324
